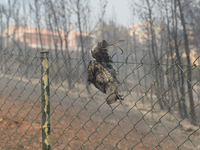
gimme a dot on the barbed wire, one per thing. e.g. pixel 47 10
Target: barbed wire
pixel 120 62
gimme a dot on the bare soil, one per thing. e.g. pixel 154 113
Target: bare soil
pixel 79 121
pixel 20 123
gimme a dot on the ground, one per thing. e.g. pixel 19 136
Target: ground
pixel 21 129
pixel 79 121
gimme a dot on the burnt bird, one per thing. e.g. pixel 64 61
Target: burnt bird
pixel 101 72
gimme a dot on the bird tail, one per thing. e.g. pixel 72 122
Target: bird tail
pixel 112 95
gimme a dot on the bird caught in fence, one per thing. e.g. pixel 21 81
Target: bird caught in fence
pixel 101 72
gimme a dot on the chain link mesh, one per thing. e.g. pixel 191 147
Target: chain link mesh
pixel 150 117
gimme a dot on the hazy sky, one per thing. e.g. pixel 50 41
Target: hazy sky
pixel 120 7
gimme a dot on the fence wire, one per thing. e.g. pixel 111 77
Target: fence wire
pixel 156 112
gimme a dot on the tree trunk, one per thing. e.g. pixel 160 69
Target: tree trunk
pixel 189 73
pixel 155 55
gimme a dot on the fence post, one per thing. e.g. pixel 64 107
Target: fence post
pixel 45 94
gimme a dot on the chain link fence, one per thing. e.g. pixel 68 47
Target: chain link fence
pixel 155 114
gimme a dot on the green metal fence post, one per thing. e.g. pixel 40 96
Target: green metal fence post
pixel 45 94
